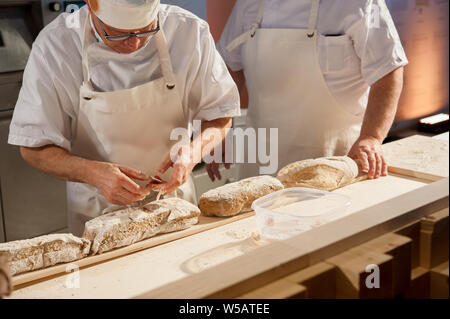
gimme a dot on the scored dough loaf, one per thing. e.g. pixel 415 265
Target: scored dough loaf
pixel 327 173
pixel 44 251
pixel 127 226
pixel 234 198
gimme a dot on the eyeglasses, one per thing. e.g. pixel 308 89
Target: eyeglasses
pixel 127 36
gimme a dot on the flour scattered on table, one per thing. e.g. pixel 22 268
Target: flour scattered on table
pixel 238 234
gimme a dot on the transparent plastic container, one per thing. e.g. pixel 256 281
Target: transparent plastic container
pixel 291 211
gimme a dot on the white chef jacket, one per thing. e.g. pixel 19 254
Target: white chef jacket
pixel 47 108
pixel 358 43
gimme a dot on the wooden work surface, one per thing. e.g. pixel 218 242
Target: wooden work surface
pixel 134 274
pixel 151 269
pixel 419 156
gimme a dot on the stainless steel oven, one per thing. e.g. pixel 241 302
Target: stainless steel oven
pixel 31 203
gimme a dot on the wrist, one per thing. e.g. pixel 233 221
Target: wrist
pixel 371 137
pixel 86 171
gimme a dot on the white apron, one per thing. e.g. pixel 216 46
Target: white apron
pixel 287 91
pixel 128 127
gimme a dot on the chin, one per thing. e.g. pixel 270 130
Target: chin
pixel 125 50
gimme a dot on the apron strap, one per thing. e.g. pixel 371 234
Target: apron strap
pixel 87 35
pixel 312 24
pixel 250 33
pixel 164 58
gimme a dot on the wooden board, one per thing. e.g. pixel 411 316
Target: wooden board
pixel 371 192
pixel 205 223
pixel 442 137
pixel 418 156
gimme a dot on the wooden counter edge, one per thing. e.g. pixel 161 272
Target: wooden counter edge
pixel 261 267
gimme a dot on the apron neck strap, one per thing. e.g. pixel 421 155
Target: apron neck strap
pixel 87 38
pixel 259 17
pixel 161 47
pixel 313 15
pixel 312 24
pixel 250 33
pixel 164 59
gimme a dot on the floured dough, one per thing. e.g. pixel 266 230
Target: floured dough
pixel 43 251
pixel 328 173
pixel 5 278
pixel 127 226
pixel 232 199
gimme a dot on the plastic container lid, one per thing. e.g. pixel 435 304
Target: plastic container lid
pixel 291 211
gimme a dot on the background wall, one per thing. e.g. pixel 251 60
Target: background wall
pixel 423 26
pixel 196 6
pixel 218 12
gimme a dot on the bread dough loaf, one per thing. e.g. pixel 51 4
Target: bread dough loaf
pixel 328 173
pixel 5 278
pixel 43 251
pixel 127 226
pixel 232 199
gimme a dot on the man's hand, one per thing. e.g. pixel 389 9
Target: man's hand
pixel 113 181
pixel 368 154
pixel 116 184
pixel 181 170
pixel 378 118
pixel 212 135
pixel 213 168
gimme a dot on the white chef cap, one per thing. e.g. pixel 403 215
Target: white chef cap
pixel 126 14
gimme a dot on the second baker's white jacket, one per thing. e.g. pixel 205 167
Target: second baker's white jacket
pixel 47 108
pixel 358 43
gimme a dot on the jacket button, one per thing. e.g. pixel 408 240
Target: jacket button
pixel 170 86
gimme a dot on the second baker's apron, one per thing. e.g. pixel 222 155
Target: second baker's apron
pixel 287 91
pixel 128 127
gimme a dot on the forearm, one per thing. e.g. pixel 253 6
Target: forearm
pixel 212 135
pixel 58 162
pixel 382 106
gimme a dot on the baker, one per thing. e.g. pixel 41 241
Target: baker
pixel 328 74
pixel 101 97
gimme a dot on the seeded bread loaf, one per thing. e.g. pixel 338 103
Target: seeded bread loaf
pixel 328 173
pixel 234 198
pixel 44 251
pixel 127 226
